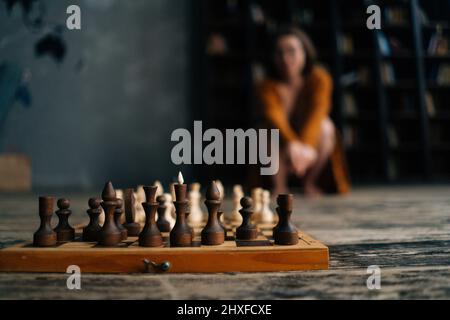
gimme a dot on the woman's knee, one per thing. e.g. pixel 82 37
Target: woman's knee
pixel 328 133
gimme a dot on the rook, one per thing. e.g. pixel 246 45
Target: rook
pixel 45 236
pixel 285 233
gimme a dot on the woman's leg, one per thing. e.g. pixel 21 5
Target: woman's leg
pixel 326 146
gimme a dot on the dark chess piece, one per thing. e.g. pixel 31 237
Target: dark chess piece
pixel 64 231
pixel 45 236
pixel 219 215
pixel 133 228
pixel 213 233
pixel 150 235
pixel 181 234
pixel 91 231
pixel 118 212
pixel 285 233
pixel 247 230
pixel 162 223
pixel 109 235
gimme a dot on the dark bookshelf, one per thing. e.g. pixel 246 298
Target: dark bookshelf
pixel 391 87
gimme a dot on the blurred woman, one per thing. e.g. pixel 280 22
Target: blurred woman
pixel 296 99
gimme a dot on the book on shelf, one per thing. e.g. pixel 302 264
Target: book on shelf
pixel 349 136
pixel 429 103
pixel 360 76
pixel 257 14
pixel 349 105
pixel 392 137
pixel 395 15
pixel 387 73
pixel 443 75
pixel 304 16
pixel 439 43
pixel 216 45
pixel 345 43
pixel 383 44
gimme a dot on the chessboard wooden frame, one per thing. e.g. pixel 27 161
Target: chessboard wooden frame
pixel 232 256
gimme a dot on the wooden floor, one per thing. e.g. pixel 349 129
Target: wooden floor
pixel 404 230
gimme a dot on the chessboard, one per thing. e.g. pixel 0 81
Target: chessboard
pixel 258 255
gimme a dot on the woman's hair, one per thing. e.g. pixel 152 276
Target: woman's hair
pixel 307 44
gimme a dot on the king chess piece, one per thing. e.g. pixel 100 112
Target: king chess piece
pixel 213 234
pixel 109 235
pixel 181 235
pixel 91 231
pixel 285 233
pixel 45 236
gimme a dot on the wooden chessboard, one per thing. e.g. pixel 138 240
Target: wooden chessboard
pixel 259 255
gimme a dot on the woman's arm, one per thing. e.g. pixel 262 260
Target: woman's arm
pixel 275 114
pixel 321 87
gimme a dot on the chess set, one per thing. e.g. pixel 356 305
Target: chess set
pixel 152 232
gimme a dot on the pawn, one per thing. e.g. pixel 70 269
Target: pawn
pixel 45 236
pixel 162 223
pixel 234 216
pixel 196 215
pixel 133 228
pixel 150 235
pixel 170 209
pixel 109 235
pixel 219 217
pixel 267 215
pixel 285 233
pixel 90 232
pixel 247 231
pixel 213 233
pixel 118 213
pixel 64 230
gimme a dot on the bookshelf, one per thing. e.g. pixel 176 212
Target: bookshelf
pixel 392 86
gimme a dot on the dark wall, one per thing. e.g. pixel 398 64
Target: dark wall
pixel 107 110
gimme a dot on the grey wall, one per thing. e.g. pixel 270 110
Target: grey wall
pixel 113 118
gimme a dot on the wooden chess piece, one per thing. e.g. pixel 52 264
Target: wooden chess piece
pixel 64 231
pixel 91 231
pixel 234 216
pixel 219 215
pixel 213 233
pixel 109 235
pixel 45 236
pixel 133 228
pixel 285 233
pixel 118 212
pixel 181 234
pixel 196 215
pixel 162 223
pixel 150 235
pixel 247 230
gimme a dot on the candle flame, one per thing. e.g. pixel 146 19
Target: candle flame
pixel 180 178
